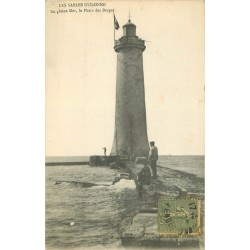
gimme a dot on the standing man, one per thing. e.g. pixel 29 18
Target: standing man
pixel 153 157
pixel 105 150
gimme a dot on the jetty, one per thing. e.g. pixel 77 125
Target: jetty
pixel 66 161
pixel 170 184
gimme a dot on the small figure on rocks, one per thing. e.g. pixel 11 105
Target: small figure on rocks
pixel 152 158
pixel 143 178
pixel 105 150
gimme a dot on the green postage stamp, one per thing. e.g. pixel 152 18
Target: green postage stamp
pixel 179 217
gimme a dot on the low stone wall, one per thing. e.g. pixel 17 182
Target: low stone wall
pixel 66 163
pixel 98 160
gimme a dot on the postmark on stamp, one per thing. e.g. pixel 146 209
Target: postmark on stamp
pixel 180 217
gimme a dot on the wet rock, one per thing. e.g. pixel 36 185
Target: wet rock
pixel 113 165
pixel 141 160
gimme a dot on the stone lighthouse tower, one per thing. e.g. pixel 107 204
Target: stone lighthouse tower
pixel 130 135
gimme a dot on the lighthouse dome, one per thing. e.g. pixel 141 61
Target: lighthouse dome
pixel 129 29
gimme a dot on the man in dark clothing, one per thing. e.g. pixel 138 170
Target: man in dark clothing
pixel 105 150
pixel 143 178
pixel 153 157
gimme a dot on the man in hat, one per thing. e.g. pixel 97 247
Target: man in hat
pixel 152 158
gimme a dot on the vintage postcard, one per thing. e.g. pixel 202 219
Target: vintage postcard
pixel 125 124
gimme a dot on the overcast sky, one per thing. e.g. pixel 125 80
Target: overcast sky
pixel 81 74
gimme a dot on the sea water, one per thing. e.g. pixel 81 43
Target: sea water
pixel 83 208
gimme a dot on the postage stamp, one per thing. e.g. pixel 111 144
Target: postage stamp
pixel 180 217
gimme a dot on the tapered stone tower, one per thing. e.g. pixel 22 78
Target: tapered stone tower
pixel 130 137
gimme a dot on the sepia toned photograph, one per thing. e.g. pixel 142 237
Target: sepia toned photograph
pixel 125 150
